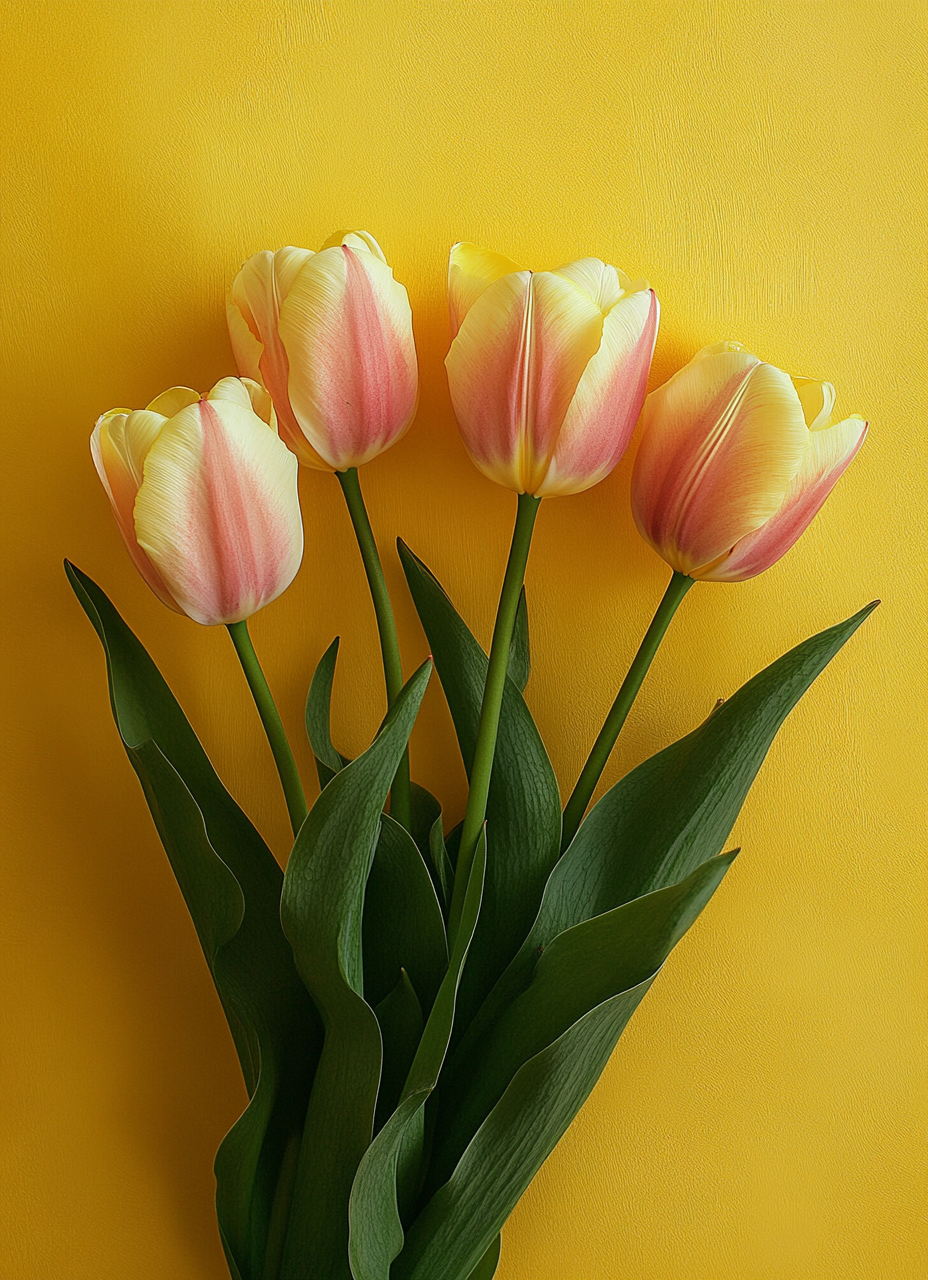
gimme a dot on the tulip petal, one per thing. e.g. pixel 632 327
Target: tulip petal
pixel 173 400
pixel 346 326
pixel 118 456
pixel 361 240
pixel 470 271
pixel 513 370
pixel 218 512
pixel 601 282
pixel 257 294
pixel 246 348
pixel 817 400
pixel 602 415
pixel 831 451
pixel 244 391
pixel 721 442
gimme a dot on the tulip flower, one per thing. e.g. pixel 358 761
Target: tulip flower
pixel 736 458
pixel 205 496
pixel 329 334
pixel 547 370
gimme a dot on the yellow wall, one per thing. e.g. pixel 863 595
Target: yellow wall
pixel 762 164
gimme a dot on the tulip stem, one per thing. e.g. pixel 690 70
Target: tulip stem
pixel 485 749
pixel 386 625
pixel 602 748
pixel 270 718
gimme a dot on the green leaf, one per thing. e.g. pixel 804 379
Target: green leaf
pixel 670 814
pixel 520 657
pixel 426 828
pixel 400 1016
pixel 512 1144
pixel 523 811
pixel 390 1171
pixel 318 717
pixel 518 1101
pixel 441 867
pixel 321 911
pixel 403 926
pixel 678 808
pixel 582 967
pixel 231 884
pixel 486 1267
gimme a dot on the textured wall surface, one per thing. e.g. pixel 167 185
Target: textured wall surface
pixel 763 164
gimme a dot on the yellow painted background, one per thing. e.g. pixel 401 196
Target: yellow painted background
pixel 763 165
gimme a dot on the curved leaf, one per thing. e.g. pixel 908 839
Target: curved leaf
pixel 231 884
pixel 390 1169
pixel 403 926
pixel 670 814
pixel 583 967
pixel 321 911
pixel 486 1267
pixel 449 1239
pixel 400 1016
pixel 426 828
pixel 523 810
pixel 318 717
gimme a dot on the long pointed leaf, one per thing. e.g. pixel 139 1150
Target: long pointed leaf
pixel 321 912
pixel 318 717
pixel 376 1224
pixel 523 810
pixel 670 814
pixel 403 925
pixel 449 1239
pixel 231 884
pixel 583 967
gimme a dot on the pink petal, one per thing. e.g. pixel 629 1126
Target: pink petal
pixel 831 451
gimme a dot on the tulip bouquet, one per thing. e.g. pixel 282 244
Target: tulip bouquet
pixel 419 1012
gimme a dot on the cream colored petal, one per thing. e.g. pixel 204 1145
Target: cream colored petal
pixel 831 451
pixel 257 294
pixel 131 435
pixel 121 485
pixel 602 415
pixel 173 400
pixel 246 348
pixel 260 402
pixel 288 263
pixel 470 271
pixel 817 400
pixel 218 512
pixel 361 240
pixel 597 280
pixel 246 392
pixel 720 444
pixel 232 389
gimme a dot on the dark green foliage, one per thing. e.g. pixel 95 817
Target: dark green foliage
pixel 393 1144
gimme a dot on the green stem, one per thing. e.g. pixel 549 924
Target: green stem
pixel 602 748
pixel 485 749
pixel 386 625
pixel 270 718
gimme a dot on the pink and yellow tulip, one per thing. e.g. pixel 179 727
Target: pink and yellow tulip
pixel 547 369
pixel 329 334
pixel 736 458
pixel 205 496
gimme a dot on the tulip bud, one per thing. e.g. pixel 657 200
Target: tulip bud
pixel 736 458
pixel 205 496
pixel 547 370
pixel 329 334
